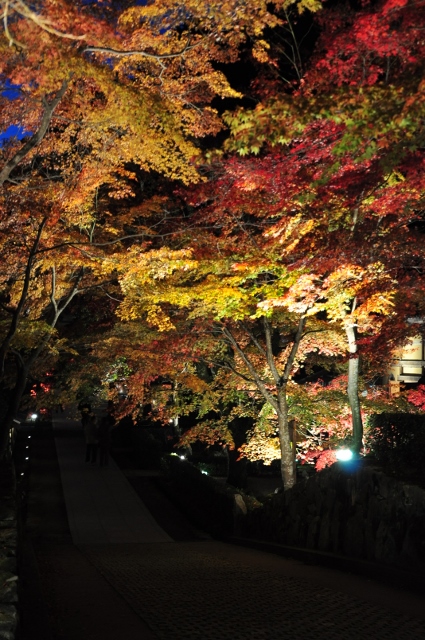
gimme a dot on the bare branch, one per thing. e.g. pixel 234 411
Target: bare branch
pixel 18 311
pixel 34 141
pixel 52 295
pixel 269 353
pixel 23 10
pixel 291 357
pixel 254 339
pixel 251 368
pixel 6 27
pixel 135 52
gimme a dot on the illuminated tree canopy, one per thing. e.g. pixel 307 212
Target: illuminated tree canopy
pixel 239 184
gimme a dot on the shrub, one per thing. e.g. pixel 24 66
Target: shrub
pixel 325 459
pixel 147 450
pixel 397 442
pixel 208 503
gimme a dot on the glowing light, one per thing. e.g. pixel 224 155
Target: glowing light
pixel 205 473
pixel 182 457
pixel 26 458
pixel 344 455
pixel 34 416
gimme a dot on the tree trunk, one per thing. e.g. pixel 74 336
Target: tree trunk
pixel 34 141
pixel 23 368
pixel 353 389
pixel 12 409
pixel 287 465
pixel 278 401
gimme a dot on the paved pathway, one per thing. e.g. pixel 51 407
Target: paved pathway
pixel 203 590
pixel 101 506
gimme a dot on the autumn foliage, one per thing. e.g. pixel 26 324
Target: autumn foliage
pixel 239 184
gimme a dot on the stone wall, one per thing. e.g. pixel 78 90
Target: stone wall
pixel 353 510
pixel 8 554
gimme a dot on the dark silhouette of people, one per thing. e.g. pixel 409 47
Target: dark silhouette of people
pixel 90 434
pixel 85 408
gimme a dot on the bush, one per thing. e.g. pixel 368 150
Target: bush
pixel 147 450
pixel 208 503
pixel 397 442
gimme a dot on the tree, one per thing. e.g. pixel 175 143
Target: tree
pixel 101 106
pixel 227 300
pixel 351 135
pixel 142 77
pixel 338 164
pixel 325 161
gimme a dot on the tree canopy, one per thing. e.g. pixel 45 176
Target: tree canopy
pixel 239 185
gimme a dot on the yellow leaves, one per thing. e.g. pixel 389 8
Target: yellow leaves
pixel 356 294
pixel 262 442
pixel 290 229
pixel 214 289
pixel 259 51
pixel 127 126
pixel 350 293
pixel 218 83
pixel 346 279
pixel 193 382
pixel 157 318
pixel 131 17
pixel 29 334
pixel 370 313
pixel 304 5
pixel 394 178
pixel 260 448
pixel 209 432
pixel 144 267
pixel 381 303
pixel 220 298
pixel 144 281
pixel 299 297
pixel 148 208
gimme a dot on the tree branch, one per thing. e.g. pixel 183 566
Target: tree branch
pixel 135 52
pixel 59 309
pixel 290 361
pixel 24 10
pixel 269 351
pixel 34 141
pixel 254 339
pixel 18 311
pixel 256 378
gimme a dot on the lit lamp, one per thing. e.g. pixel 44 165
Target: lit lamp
pixel 344 455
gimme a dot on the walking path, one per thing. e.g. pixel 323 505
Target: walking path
pixel 100 504
pixel 123 576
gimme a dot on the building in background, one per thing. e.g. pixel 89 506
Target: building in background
pixel 409 362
